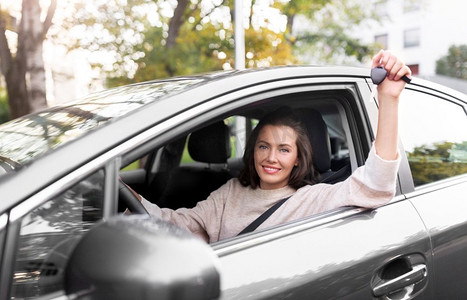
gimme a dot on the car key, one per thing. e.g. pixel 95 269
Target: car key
pixel 378 74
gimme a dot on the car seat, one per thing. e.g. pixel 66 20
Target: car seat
pixel 339 154
pixel 187 185
pixel 320 143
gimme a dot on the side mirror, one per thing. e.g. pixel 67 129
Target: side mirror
pixel 139 257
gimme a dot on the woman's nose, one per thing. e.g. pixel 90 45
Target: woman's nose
pixel 271 156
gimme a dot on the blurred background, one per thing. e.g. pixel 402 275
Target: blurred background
pixel 55 51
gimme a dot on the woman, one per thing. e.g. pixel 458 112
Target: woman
pixel 277 163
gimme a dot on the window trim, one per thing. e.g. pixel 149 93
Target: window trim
pixel 8 259
pixel 3 239
pixel 437 185
pixel 256 238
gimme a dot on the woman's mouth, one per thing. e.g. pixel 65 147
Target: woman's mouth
pixel 270 170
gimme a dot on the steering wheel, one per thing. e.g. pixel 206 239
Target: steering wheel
pixel 127 196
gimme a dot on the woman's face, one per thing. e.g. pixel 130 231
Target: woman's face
pixel 275 156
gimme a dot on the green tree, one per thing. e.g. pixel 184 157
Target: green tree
pixel 205 50
pixel 454 64
pixel 158 38
pixel 22 65
pixel 429 163
pixel 327 37
pixel 439 150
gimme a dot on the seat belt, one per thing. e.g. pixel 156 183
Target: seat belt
pixel 253 225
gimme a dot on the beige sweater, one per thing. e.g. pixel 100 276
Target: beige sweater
pixel 232 207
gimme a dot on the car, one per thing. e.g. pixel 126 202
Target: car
pixel 65 232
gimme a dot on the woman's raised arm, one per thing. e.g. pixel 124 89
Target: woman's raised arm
pixel 388 98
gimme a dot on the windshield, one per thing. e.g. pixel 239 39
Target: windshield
pixel 25 138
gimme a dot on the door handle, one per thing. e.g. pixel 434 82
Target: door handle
pixel 384 287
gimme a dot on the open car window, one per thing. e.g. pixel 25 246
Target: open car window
pixel 191 165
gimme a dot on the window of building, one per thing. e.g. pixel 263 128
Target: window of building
pixel 412 37
pixel 411 6
pixel 415 68
pixel 434 137
pixel 382 41
pixel 381 8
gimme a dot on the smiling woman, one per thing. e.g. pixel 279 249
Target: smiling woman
pixel 277 165
pixel 278 153
pixel 275 157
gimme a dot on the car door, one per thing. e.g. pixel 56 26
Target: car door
pixel 435 140
pixel 349 253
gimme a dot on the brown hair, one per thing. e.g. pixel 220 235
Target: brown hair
pixel 302 174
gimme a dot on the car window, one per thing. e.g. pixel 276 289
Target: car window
pixel 179 175
pixel 50 232
pixel 433 131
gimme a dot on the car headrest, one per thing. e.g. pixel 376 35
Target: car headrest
pixel 319 138
pixel 210 144
pixel 336 145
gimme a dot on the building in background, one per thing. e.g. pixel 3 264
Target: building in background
pixel 421 32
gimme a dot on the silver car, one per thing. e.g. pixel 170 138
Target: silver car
pixel 63 234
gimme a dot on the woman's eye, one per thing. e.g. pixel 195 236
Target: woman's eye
pixel 263 147
pixel 285 150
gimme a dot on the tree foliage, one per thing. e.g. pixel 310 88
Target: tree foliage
pixel 430 163
pixel 148 39
pixel 325 31
pixel 454 64
pixel 157 38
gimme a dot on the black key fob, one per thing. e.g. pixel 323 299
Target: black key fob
pixel 378 74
